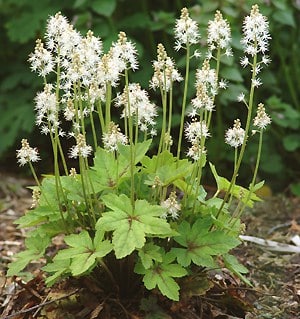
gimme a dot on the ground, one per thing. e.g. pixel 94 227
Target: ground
pixel 275 275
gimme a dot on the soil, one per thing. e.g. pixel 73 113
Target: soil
pixel 275 276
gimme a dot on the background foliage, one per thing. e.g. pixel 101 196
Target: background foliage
pixel 148 23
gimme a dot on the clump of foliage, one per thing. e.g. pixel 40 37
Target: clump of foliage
pixel 130 213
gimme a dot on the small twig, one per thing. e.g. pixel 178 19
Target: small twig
pixel 40 305
pixel 30 290
pixel 271 244
pixel 287 224
pixel 10 243
pixel 246 289
pixel 44 301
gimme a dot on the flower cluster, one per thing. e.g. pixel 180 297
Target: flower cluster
pixel 206 89
pixel 262 119
pixel 84 74
pixel 136 103
pixel 196 132
pixel 255 32
pixel 27 154
pixel 81 149
pixel 47 110
pixel 235 136
pixel 113 137
pixel 219 34
pixel 172 206
pixel 186 30
pixel 255 40
pixel 157 196
pixel 165 72
pixel 41 59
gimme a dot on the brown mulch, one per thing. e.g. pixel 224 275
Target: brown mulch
pixel 275 276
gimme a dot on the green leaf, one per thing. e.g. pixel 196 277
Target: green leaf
pixel 79 3
pixel 81 240
pixel 82 263
pixel 22 117
pixel 232 74
pixel 83 251
pixel 108 172
pixel 166 168
pixel 257 186
pixel 234 266
pixel 140 149
pixel 35 249
pixel 102 247
pixel 131 226
pixel 237 191
pixel 284 114
pixel 104 7
pixel 136 20
pixel 201 244
pixel 105 174
pixel 127 237
pixel 148 254
pixel 295 188
pixel 57 268
pixel 291 142
pixel 285 17
pixel 161 274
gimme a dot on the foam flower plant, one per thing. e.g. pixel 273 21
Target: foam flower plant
pixel 130 214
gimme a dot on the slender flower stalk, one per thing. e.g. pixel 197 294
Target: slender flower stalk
pixel 165 74
pixel 186 34
pixel 261 121
pixel 255 40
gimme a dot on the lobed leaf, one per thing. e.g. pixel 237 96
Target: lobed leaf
pixel 161 274
pixel 130 225
pixel 201 244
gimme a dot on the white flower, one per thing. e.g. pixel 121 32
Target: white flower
pixel 165 72
pixel 256 82
pixel 60 36
pixel 138 105
pixel 46 107
pixel 81 148
pixel 36 194
pixel 262 119
pixel 186 30
pixel 113 137
pixel 41 59
pixel 195 131
pixel 172 206
pixel 258 68
pixel 219 33
pixel 197 54
pixel 207 75
pixel 241 97
pixel 27 154
pixel 207 87
pixel 70 111
pixel 244 62
pixel 255 32
pixel 223 84
pixel 196 152
pixel 109 69
pixel 235 136
pixel 266 60
pixel 202 100
pixel 228 52
pixel 125 50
